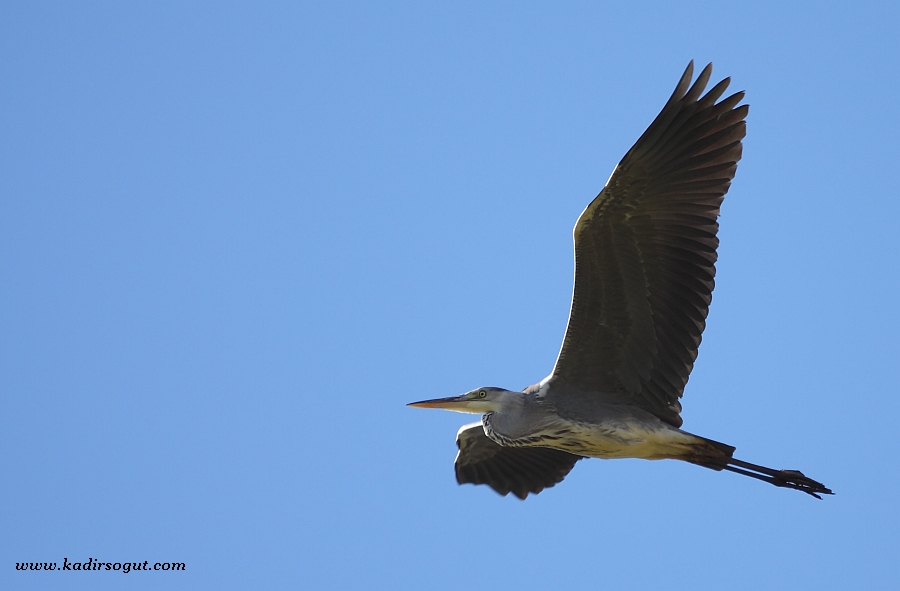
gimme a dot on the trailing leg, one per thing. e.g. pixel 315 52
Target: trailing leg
pixel 783 478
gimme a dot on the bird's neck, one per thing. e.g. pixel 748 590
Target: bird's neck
pixel 516 419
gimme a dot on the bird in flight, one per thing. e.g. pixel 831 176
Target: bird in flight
pixel 645 254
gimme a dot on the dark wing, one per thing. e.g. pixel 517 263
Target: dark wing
pixel 645 253
pixel 516 470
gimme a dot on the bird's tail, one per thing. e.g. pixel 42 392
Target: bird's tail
pixel 718 456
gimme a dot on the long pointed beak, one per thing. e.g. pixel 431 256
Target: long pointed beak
pixel 457 403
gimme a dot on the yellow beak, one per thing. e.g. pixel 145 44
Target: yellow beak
pixel 457 403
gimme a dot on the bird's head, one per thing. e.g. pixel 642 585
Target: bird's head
pixel 478 401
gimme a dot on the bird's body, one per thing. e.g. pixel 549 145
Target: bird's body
pixel 645 253
pixel 599 430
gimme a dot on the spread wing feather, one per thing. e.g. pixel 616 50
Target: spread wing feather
pixel 645 253
pixel 517 470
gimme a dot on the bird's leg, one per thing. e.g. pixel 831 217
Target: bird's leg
pixel 783 478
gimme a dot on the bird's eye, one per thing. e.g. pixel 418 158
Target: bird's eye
pixel 482 394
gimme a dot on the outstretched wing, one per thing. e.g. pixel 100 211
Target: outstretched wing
pixel 516 470
pixel 645 253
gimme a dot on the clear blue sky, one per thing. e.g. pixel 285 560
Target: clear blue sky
pixel 236 239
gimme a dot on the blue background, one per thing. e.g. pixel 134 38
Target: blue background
pixel 236 239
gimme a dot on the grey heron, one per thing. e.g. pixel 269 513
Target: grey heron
pixel 645 254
